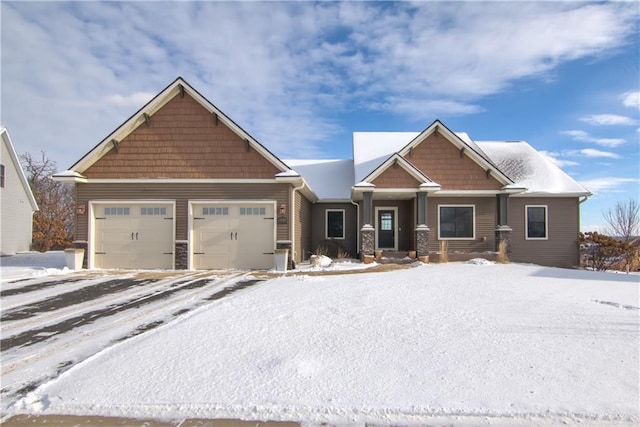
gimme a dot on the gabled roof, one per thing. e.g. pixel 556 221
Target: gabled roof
pixel 466 145
pixel 372 149
pixel 177 88
pixel 397 159
pixel 6 139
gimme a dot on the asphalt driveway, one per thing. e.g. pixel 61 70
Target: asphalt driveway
pixel 44 314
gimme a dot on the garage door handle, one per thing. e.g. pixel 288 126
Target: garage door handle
pixel 131 236
pixel 136 236
pixel 236 236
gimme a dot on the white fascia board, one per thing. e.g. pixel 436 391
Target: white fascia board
pixel 180 181
pixel 402 162
pixel 469 193
pixel 334 201
pixel 541 194
pixel 430 187
pixel 69 177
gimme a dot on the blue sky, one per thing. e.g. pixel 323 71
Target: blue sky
pixel 302 76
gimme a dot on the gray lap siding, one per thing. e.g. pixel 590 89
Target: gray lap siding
pixel 560 249
pixel 485 224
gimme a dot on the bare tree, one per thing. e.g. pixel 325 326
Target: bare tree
pixel 53 223
pixel 624 219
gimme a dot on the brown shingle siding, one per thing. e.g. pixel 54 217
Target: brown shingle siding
pixel 395 177
pixel 440 160
pixel 182 141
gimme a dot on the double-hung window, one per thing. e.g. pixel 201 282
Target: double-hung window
pixel 456 222
pixel 334 224
pixel 536 222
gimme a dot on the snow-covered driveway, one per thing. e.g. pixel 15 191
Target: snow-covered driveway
pixel 455 344
pixel 52 318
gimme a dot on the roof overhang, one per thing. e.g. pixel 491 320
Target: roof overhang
pixel 298 182
pixel 69 176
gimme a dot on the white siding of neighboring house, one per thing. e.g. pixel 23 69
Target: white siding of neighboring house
pixel 16 203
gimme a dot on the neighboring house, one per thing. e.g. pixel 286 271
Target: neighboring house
pixel 180 185
pixel 17 202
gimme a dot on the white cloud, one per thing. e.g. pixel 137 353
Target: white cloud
pixel 607 120
pixel 581 135
pixel 598 185
pixel 554 157
pixel 288 78
pixel 136 99
pixel 631 99
pixel 592 153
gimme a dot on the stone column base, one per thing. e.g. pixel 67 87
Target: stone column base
pixel 368 241
pixel 422 241
pixel 182 255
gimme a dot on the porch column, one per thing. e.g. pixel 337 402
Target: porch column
pixel 503 231
pixel 422 208
pixel 422 230
pixel 367 232
pixel 367 208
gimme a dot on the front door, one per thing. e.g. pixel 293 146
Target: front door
pixel 386 229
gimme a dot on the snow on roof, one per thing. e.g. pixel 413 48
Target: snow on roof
pixel 328 179
pixel 530 168
pixel 371 149
pixel 333 179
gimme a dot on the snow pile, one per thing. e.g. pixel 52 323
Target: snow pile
pixel 32 264
pixel 450 343
pixel 480 261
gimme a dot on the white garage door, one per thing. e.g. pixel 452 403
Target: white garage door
pixel 233 235
pixel 133 235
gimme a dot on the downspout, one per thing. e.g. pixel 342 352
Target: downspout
pixel 292 214
pixel 357 224
pixel 586 197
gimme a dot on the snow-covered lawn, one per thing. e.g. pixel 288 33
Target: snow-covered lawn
pixel 454 343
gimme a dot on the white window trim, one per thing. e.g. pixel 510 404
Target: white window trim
pixel 326 224
pixel 526 222
pixel 473 214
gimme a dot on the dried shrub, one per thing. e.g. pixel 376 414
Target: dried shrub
pixel 502 257
pixel 343 255
pixel 330 248
pixel 444 254
pixel 601 252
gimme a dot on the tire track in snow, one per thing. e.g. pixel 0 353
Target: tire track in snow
pixel 25 374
